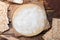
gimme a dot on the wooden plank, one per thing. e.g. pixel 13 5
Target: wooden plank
pixel 3 17
pixel 54 32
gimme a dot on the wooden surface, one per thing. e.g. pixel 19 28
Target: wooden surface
pixel 38 37
pixel 54 32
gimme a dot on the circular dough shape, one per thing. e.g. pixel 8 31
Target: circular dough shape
pixel 29 19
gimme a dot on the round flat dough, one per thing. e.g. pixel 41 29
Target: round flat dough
pixel 29 19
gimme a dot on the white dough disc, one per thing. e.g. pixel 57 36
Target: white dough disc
pixel 29 19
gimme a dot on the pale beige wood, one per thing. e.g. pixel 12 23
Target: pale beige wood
pixel 54 32
pixel 3 17
pixel 9 37
pixel 12 32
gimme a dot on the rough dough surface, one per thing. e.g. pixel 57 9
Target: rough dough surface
pixel 3 17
